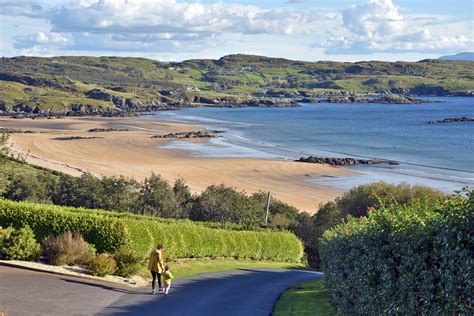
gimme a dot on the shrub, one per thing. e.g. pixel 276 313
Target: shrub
pixel 19 244
pixel 103 264
pixel 66 249
pixel 128 263
pixel 403 259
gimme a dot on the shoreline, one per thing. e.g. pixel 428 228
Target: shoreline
pixel 135 154
pixel 446 179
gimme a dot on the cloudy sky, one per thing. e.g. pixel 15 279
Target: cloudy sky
pixel 297 29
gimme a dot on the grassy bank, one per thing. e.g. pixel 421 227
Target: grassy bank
pixel 185 268
pixel 309 298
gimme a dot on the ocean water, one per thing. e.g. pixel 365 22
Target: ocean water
pixel 437 155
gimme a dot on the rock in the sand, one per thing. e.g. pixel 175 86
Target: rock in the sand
pixel 343 161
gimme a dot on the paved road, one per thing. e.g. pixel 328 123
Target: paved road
pixel 239 292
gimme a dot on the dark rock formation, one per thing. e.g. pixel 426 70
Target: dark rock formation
pixel 97 130
pixel 193 134
pixel 7 130
pixel 343 161
pixel 352 97
pixel 75 138
pixel 452 120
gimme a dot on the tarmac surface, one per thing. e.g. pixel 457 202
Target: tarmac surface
pixel 239 292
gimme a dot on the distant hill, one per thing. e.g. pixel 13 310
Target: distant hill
pixel 461 56
pixel 86 85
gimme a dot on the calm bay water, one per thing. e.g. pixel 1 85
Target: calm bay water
pixel 438 155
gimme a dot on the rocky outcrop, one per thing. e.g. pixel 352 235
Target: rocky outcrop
pixel 270 103
pixel 452 120
pixel 193 134
pixel 352 97
pixel 6 130
pixel 343 161
pixel 75 138
pixel 98 130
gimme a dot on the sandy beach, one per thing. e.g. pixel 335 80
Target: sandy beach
pixel 135 154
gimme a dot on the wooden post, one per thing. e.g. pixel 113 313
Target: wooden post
pixel 268 208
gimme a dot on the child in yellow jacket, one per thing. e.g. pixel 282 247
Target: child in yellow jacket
pixel 167 276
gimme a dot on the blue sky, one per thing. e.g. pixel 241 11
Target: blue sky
pixel 345 30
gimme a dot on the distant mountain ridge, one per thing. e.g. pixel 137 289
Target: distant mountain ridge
pixel 460 56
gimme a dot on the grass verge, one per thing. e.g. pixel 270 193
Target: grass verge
pixel 185 268
pixel 309 298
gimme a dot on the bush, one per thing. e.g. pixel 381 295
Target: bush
pixel 403 259
pixel 109 231
pixel 128 263
pixel 66 249
pixel 103 264
pixel 19 244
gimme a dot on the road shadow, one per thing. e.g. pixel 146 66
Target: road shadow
pixel 239 292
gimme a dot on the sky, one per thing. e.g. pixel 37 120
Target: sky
pixel 174 30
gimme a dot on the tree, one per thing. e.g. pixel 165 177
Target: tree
pixel 156 197
pixel 183 199
pixel 226 204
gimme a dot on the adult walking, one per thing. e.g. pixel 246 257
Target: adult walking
pixel 156 267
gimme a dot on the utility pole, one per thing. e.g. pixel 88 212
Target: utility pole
pixel 268 208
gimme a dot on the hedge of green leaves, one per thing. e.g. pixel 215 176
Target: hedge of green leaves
pixel 403 260
pixel 108 231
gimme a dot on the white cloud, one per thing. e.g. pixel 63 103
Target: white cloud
pixel 379 26
pixel 164 25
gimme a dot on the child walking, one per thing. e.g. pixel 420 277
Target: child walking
pixel 167 276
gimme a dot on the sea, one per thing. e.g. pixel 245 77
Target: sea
pixel 436 155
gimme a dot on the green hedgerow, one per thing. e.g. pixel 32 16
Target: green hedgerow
pixel 404 260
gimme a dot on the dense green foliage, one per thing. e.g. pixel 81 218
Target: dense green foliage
pixel 356 203
pixel 154 196
pixel 403 259
pixel 58 83
pixel 67 248
pixel 109 231
pixel 18 244
pixel 106 233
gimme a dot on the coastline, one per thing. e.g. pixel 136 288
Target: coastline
pixel 135 154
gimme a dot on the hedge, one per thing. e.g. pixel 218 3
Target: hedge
pixel 108 231
pixel 403 260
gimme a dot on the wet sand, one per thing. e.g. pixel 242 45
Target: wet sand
pixel 135 154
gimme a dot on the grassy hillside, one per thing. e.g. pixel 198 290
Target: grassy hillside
pixel 59 83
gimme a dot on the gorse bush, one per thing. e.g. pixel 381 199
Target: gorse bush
pixel 19 244
pixel 403 259
pixel 103 264
pixel 66 249
pixel 109 231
